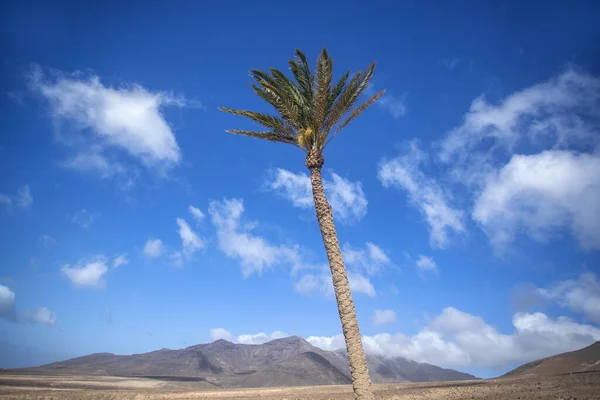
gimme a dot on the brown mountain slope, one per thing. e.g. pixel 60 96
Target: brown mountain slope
pixel 290 361
pixel 578 361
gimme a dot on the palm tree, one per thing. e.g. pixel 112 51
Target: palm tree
pixel 311 112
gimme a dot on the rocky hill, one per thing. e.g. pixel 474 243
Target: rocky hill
pixel 579 361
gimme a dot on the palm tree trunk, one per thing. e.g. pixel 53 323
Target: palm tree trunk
pixel 359 369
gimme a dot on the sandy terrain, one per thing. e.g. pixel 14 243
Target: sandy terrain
pixel 576 386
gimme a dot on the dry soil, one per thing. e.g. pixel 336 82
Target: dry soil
pixel 576 386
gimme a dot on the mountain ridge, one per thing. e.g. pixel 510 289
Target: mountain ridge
pixel 290 361
pixel 583 360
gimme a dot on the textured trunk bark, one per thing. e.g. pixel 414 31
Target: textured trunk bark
pixel 359 369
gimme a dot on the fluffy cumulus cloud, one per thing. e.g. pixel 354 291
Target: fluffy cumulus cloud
pixel 532 162
pixel 457 339
pixel 426 265
pixel 347 198
pixel 21 199
pixel 8 310
pixel 527 165
pixel 154 248
pixel 541 195
pixel 434 202
pixel 87 273
pixel 384 317
pixel 257 338
pixel 581 295
pixel 236 239
pixel 98 122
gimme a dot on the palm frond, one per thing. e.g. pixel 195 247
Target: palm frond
pixel 355 113
pixel 270 136
pixel 266 120
pixel 311 110
pixel 324 75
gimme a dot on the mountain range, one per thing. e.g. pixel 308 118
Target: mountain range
pixel 290 361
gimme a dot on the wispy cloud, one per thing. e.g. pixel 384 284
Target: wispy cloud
pixel 423 192
pixel 21 199
pixel 121 259
pixel 236 239
pixel 84 218
pixel 347 198
pixel 581 295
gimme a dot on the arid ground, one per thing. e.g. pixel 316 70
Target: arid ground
pixel 576 386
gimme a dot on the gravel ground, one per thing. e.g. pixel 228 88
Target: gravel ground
pixel 571 387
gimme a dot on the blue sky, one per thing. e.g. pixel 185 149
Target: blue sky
pixel 465 200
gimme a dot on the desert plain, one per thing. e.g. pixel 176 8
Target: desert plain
pixel 579 386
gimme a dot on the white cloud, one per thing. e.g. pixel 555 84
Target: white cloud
pixel 360 284
pixel 322 284
pixel 191 242
pixel 260 338
pixel 120 260
pixel 8 311
pixel 552 109
pixel 531 162
pixel 457 339
pixel 98 121
pixel 314 283
pixel 256 338
pixel 7 303
pixel 369 260
pixel 347 198
pixel 384 317
pixel 542 194
pixel 22 199
pixel 581 295
pixel 426 264
pixel 294 187
pixel 84 218
pixel 425 193
pixel 42 316
pixel 154 248
pixel 220 333
pixel 196 213
pixel 237 241
pixel 330 343
pixel 87 273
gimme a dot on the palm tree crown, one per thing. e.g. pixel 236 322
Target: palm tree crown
pixel 311 110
